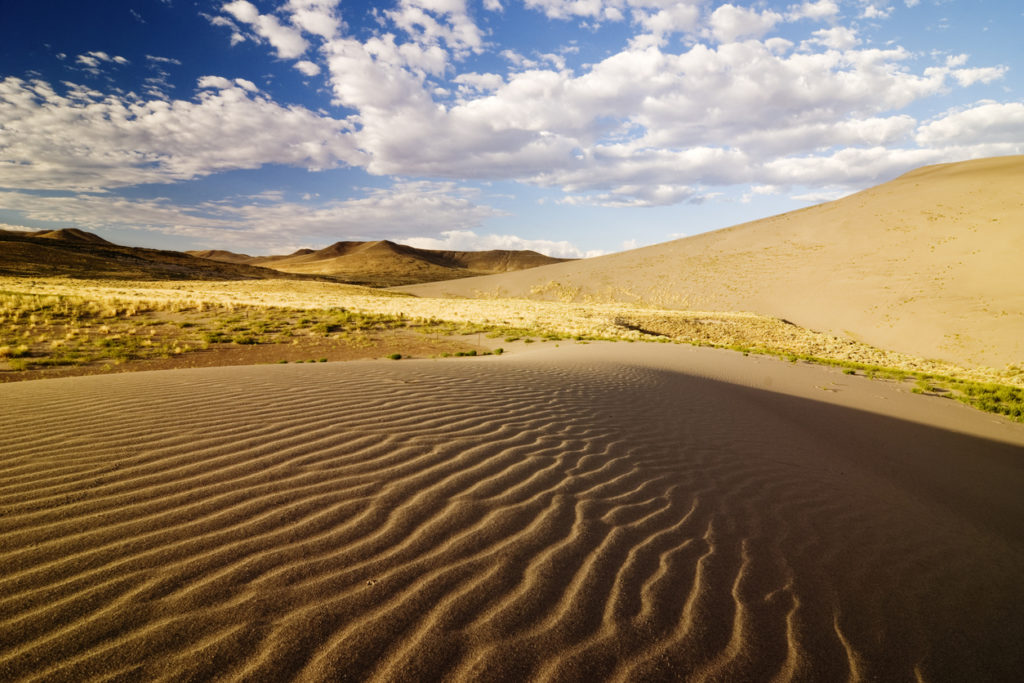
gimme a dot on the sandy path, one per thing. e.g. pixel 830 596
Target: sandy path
pixel 595 512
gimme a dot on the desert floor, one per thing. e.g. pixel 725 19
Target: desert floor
pixel 574 512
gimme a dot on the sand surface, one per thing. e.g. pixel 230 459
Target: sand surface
pixel 599 512
pixel 927 264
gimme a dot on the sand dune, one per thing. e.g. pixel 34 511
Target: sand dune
pixel 579 513
pixel 927 264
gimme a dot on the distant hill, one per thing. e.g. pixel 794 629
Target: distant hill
pixel 385 263
pixel 929 264
pixel 80 254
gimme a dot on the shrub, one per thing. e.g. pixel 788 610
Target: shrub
pixel 395 356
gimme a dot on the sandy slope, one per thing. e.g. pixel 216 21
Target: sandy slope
pixel 580 513
pixel 928 264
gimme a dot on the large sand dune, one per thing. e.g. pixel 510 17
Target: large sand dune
pixel 928 264
pixel 580 513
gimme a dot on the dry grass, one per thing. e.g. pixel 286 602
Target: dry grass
pixel 55 321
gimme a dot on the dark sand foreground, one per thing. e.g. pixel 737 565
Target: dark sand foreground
pixel 626 512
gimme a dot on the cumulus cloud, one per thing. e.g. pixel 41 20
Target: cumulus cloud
pixel 659 121
pixel 985 74
pixel 729 22
pixel 84 140
pixel 817 11
pixel 286 40
pixel 430 22
pixel 307 67
pixel 836 38
pixel 676 18
pixel 986 122
pixel 872 11
pixel 317 17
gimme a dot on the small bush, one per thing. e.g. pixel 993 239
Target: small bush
pixel 395 356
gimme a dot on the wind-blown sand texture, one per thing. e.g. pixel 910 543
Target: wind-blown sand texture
pixel 927 264
pixel 617 512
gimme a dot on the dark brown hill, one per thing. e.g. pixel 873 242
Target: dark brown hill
pixel 79 254
pixel 386 263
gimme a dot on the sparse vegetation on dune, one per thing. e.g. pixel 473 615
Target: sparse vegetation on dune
pixel 55 322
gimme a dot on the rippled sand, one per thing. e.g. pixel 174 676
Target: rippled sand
pixel 591 513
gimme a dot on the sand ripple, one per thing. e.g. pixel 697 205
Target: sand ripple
pixel 486 520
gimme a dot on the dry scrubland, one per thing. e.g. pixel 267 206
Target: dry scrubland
pixel 96 324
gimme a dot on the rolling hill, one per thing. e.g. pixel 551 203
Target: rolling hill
pixel 928 264
pixel 79 254
pixel 385 263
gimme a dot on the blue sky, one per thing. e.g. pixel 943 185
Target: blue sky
pixel 573 127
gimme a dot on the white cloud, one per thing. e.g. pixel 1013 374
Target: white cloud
pixel 679 17
pixel 729 23
pixel 307 67
pixel 817 11
pixel 837 38
pixel 641 127
pixel 635 195
pixel 163 60
pixel 217 82
pixel 985 74
pixel 468 240
pixel 658 122
pixel 876 12
pixel 287 41
pixel 430 22
pixel 91 61
pixel 318 17
pixel 986 122
pixel 84 140
pixel 563 9
pixel 248 86
pixel 480 82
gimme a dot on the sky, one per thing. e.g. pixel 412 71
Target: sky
pixel 572 127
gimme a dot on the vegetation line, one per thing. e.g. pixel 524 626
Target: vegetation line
pixel 52 323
